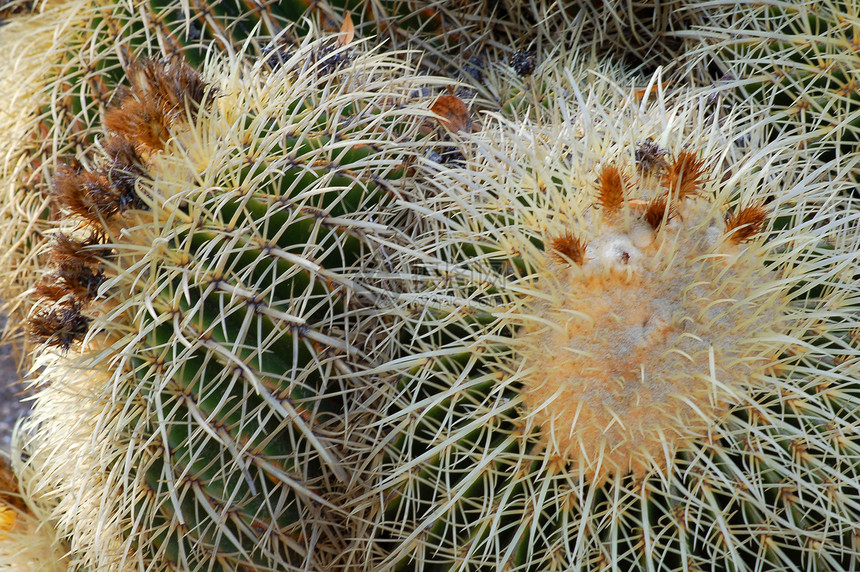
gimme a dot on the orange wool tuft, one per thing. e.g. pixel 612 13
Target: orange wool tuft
pixel 567 249
pixel 611 194
pixel 656 211
pixel 745 223
pixel 685 175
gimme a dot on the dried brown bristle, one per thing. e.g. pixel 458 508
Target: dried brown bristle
pixel 684 175
pixel 50 291
pixel 81 281
pixel 611 193
pixel 144 122
pixel 655 211
pixel 650 156
pixel 60 326
pixel 567 248
pixel 745 223
pixel 66 248
pixel 172 81
pixel 96 196
pixel 162 93
pixel 123 155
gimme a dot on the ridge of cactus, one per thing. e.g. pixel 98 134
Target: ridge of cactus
pixel 799 59
pixel 634 345
pixel 207 317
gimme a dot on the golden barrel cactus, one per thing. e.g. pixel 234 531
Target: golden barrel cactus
pixel 207 317
pixel 635 345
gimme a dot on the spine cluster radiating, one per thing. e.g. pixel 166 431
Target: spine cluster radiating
pixel 568 286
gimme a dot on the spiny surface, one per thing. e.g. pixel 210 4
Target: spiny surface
pixel 544 287
pixel 197 418
pixel 800 59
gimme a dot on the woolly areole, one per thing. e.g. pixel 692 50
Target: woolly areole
pixel 650 337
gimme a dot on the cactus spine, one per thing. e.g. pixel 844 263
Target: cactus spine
pixel 208 309
pixel 800 59
pixel 626 356
pixel 623 355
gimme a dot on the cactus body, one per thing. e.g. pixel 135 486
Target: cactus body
pixel 799 59
pixel 76 54
pixel 207 307
pixel 625 358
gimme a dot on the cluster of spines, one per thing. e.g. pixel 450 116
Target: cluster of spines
pixel 681 177
pixel 160 96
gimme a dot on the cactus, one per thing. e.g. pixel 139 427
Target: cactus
pixel 206 319
pixel 76 54
pixel 27 541
pixel 30 44
pixel 799 59
pixel 646 32
pixel 635 346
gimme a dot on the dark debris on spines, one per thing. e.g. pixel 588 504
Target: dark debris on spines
pixel 650 156
pixel 60 325
pixel 523 62
pixel 275 55
pixel 331 58
pixel 474 68
pixel 448 155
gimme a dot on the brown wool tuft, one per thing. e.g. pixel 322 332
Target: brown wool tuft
pixel 611 193
pixel 655 211
pixel 60 326
pixel 97 196
pixel 162 93
pixel 684 175
pixel 72 187
pixel 566 249
pixel 123 155
pixel 144 122
pixel 66 248
pixel 745 223
pixel 81 280
pixel 171 81
pixel 50 290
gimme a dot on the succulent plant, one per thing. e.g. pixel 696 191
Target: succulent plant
pixel 646 32
pixel 27 541
pixel 635 346
pixel 205 321
pixel 800 60
pixel 65 60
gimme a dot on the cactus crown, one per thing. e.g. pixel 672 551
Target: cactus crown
pixel 647 322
